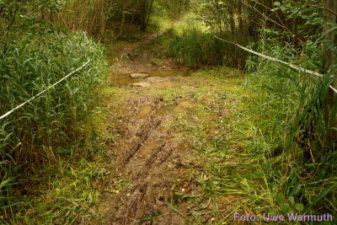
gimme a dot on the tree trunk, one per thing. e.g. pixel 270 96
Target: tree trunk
pixel 149 12
pixel 240 16
pixel 231 19
pixel 330 18
pixel 143 16
pixel 329 58
pixel 146 13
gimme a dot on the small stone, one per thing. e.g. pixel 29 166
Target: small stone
pixel 139 75
pixel 141 84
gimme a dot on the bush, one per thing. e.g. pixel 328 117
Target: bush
pixel 31 136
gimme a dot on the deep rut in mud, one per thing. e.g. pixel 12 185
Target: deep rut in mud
pixel 153 161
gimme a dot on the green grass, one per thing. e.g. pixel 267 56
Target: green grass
pixel 43 132
pixel 284 120
pixel 250 138
pixel 68 195
pixel 71 190
pixel 191 43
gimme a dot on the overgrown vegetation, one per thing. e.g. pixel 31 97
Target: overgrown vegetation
pixel 292 139
pixel 47 130
pixel 291 119
pixel 283 129
pixel 196 49
pixel 31 136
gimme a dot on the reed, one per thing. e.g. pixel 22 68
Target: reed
pixel 90 16
pixel 290 139
pixel 31 136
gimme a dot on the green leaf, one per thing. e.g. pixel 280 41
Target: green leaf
pixel 285 207
pixel 273 212
pixel 277 4
pixel 299 207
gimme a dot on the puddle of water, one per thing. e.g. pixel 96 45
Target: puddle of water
pixel 121 80
pixel 170 73
pixel 164 84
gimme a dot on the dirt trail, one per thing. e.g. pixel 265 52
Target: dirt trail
pixel 156 164
pixel 137 58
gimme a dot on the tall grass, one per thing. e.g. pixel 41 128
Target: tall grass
pixel 102 19
pixel 31 137
pixel 195 48
pixel 274 158
pixel 91 16
pixel 290 144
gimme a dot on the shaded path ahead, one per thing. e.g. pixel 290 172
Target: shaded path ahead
pixel 158 122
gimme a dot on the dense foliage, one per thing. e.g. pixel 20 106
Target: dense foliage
pixel 291 117
pixel 34 55
pixel 295 113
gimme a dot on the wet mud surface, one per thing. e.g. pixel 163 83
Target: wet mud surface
pixel 157 167
pixel 156 164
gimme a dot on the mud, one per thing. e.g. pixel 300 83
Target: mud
pixel 160 169
pixel 156 164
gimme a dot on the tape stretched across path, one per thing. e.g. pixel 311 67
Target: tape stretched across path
pixel 42 92
pixel 298 68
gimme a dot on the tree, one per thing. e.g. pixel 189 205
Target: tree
pixel 146 10
pixel 329 53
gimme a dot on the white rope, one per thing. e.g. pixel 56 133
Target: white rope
pixel 295 67
pixel 42 92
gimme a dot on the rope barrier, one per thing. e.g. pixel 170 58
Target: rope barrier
pixel 295 67
pixel 42 92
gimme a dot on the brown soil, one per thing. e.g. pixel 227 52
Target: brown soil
pixel 138 58
pixel 159 169
pixel 156 164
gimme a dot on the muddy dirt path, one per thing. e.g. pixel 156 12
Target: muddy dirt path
pixel 158 170
pixel 154 162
